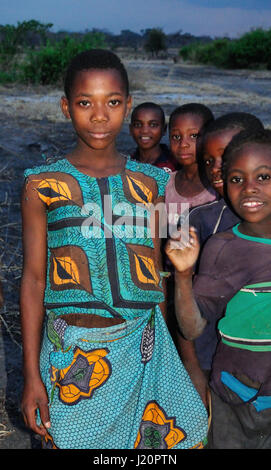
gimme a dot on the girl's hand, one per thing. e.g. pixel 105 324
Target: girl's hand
pixel 183 251
pixel 35 398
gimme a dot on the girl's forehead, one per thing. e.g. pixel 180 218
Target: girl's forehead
pixel 187 120
pixel 251 155
pixel 220 138
pixel 147 114
pixel 102 78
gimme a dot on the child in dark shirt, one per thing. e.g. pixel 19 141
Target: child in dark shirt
pixel 218 215
pixel 233 286
pixel 147 127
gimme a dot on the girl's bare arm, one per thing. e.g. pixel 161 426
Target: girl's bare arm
pixel 31 305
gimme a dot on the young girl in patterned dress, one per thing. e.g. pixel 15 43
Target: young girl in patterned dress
pixel 103 372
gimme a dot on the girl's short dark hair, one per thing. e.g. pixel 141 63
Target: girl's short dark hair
pixel 94 59
pixel 239 141
pixel 236 120
pixel 149 105
pixel 193 108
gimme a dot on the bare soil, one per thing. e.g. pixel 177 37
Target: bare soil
pixel 32 127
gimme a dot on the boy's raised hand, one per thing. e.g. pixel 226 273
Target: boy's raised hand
pixel 183 249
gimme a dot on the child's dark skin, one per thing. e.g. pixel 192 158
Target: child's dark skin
pixel 147 129
pixel 249 190
pixel 213 148
pixel 97 107
pixel 183 136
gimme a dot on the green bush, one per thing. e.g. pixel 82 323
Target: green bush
pixel 47 65
pixel 251 50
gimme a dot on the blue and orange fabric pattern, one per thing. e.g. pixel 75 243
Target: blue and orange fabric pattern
pixel 121 386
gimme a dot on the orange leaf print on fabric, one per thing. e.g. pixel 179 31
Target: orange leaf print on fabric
pixel 65 271
pixel 88 371
pixel 145 269
pixel 139 191
pixel 51 190
pixel 157 430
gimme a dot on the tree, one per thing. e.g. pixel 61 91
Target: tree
pixel 156 41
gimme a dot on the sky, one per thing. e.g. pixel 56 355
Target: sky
pixel 214 18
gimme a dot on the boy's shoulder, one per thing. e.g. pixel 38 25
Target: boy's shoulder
pixel 209 208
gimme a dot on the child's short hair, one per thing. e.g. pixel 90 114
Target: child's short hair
pixel 94 59
pixel 149 105
pixel 261 136
pixel 193 108
pixel 242 121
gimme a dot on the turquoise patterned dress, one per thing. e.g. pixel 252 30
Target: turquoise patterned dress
pixel 121 386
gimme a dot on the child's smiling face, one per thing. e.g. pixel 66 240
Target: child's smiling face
pixel 183 135
pixel 249 187
pixel 147 128
pixel 97 106
pixel 213 148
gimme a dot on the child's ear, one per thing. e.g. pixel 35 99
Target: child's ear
pixel 64 104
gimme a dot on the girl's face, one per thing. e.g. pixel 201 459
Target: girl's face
pixel 147 128
pixel 213 148
pixel 183 136
pixel 249 187
pixel 97 107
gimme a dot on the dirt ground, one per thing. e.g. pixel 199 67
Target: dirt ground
pixel 32 127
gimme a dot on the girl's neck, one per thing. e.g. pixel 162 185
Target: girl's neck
pixel 97 163
pixel 149 155
pixel 188 183
pixel 255 230
pixel 190 173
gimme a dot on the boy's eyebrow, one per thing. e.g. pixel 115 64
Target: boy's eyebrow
pixel 150 120
pixel 256 169
pixel 89 95
pixel 189 129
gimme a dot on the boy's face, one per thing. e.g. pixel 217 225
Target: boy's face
pixel 183 136
pixel 213 148
pixel 249 186
pixel 147 128
pixel 97 107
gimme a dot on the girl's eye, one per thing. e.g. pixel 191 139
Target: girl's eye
pixel 194 136
pixel 264 177
pixel 154 124
pixel 176 137
pixel 236 179
pixel 207 162
pixel 114 103
pixel 84 103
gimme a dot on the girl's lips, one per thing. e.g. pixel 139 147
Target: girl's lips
pixel 217 182
pixel 99 135
pixel 252 204
pixel 145 138
pixel 186 155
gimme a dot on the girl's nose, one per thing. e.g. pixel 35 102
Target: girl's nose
pixel 250 187
pixel 216 167
pixel 99 114
pixel 184 142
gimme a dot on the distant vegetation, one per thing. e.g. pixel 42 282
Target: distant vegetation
pixel 252 50
pixel 31 53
